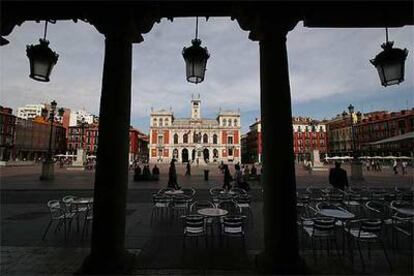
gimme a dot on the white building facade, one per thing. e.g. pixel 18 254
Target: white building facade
pixel 194 139
pixel 76 117
pixel 30 111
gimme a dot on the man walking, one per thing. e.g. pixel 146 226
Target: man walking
pixel 188 169
pixel 338 177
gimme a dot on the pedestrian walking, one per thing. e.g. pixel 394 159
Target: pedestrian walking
pixel 404 167
pixel 172 176
pixel 188 169
pixel 227 178
pixel 394 166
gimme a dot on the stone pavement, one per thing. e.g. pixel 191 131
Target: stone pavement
pixel 158 246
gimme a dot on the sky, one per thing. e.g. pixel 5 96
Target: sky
pixel 329 69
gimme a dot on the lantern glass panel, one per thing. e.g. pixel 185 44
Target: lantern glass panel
pixel 41 69
pixel 393 73
pixel 195 70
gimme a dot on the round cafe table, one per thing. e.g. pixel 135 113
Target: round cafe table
pixel 405 211
pixel 82 200
pixel 174 192
pixel 336 213
pixel 212 212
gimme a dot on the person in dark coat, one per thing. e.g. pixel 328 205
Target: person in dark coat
pixel 338 177
pixel 188 169
pixel 172 176
pixel 156 173
pixel 227 178
pixel 137 173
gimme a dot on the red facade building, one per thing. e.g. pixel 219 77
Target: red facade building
pixel 32 139
pixel 308 135
pixel 391 128
pixel 87 138
pixel 7 132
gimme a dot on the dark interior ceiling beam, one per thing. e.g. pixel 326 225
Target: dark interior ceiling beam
pixel 344 14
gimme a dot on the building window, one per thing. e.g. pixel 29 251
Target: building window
pixel 230 152
pixel 161 122
pixel 224 122
pixel 175 153
pixel 235 122
pixel 229 123
pixel 160 139
pixel 176 138
pixel 230 140
pixel 215 153
pixel 185 138
pixel 154 122
pixel 215 139
pixel 205 138
pixel 320 129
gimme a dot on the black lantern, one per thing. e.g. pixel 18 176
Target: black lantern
pixel 61 111
pixel 195 59
pixel 390 63
pixel 42 59
pixel 351 109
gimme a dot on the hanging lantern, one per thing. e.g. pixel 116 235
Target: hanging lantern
pixel 195 58
pixel 390 63
pixel 42 59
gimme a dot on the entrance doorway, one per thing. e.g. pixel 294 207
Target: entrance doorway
pixel 184 155
pixel 206 155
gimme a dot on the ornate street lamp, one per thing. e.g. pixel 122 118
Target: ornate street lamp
pixel 195 59
pixel 48 164
pixel 356 165
pixel 390 63
pixel 42 59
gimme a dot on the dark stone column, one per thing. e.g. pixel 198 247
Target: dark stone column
pixel 108 254
pixel 278 178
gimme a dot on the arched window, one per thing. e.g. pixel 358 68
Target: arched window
pixel 215 139
pixel 160 121
pixel 175 153
pixel 224 122
pixel 229 122
pixel 185 138
pixel 215 153
pixel 176 138
pixel 235 122
pixel 205 138
pixel 166 121
pixel 154 122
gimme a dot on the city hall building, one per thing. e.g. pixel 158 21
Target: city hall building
pixel 195 139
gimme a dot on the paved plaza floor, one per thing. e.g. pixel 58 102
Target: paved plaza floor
pixel 158 245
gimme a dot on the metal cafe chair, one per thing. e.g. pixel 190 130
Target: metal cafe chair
pixel 367 231
pixel 180 205
pixel 88 219
pixel 232 227
pixel 322 229
pixel 71 207
pixel 160 207
pixel 58 214
pixel 243 202
pixel 194 227
pixel 402 224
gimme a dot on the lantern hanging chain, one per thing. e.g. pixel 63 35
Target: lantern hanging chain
pixel 44 35
pixel 196 30
pixel 386 34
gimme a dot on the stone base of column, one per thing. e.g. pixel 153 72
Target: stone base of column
pixel 48 170
pixel 356 171
pixel 267 264
pixel 108 266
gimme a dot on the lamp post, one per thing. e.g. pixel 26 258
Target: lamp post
pixel 48 164
pixel 356 165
